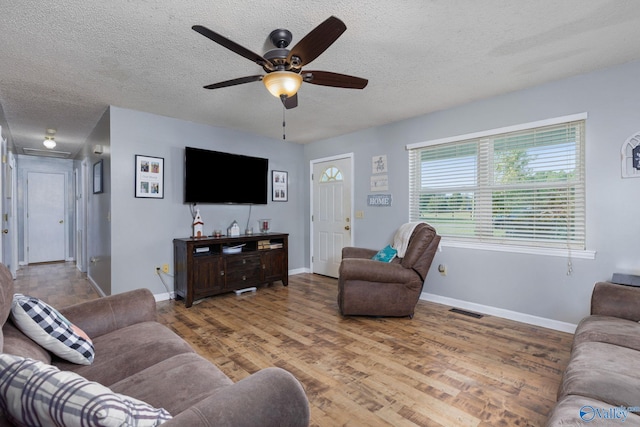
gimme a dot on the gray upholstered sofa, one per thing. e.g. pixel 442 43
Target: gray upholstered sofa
pixel 138 357
pixel 601 384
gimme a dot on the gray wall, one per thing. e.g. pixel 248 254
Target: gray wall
pixel 99 261
pixel 142 230
pixel 531 284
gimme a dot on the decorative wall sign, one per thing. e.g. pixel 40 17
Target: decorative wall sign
pixel 149 177
pixel 379 182
pixel 279 186
pixel 97 177
pixel 379 164
pixel 379 200
pixel 630 156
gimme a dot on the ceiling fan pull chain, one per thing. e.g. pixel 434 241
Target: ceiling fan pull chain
pixel 284 137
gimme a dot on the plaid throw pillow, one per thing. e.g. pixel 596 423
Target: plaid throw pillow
pixel 33 393
pixel 43 324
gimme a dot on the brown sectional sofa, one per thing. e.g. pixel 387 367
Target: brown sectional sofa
pixel 141 358
pixel 601 384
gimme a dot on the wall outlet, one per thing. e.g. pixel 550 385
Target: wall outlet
pixel 165 268
pixel 442 269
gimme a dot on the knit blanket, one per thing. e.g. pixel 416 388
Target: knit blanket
pixel 402 236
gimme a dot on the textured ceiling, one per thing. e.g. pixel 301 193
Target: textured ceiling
pixel 63 62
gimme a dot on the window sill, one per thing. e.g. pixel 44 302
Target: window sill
pixel 576 254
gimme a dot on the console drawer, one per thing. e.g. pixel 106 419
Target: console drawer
pixel 242 271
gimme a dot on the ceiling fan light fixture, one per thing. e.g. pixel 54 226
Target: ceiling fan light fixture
pixel 49 143
pixel 280 83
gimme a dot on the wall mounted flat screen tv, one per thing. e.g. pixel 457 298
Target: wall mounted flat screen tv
pixel 217 177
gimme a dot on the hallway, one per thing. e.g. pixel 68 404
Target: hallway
pixel 58 283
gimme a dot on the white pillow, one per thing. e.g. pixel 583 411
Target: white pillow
pixel 43 324
pixel 34 393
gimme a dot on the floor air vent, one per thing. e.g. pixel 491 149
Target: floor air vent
pixel 466 313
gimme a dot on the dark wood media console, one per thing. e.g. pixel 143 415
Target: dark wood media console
pixel 202 269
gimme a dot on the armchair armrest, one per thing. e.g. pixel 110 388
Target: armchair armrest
pixel 103 315
pixel 353 252
pixel 609 299
pixel 375 271
pixel 271 397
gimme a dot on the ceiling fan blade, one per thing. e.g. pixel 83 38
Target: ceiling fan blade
pixel 316 42
pixel 327 78
pixel 234 82
pixel 290 101
pixel 233 46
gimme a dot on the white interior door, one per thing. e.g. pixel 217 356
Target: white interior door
pixel 332 206
pixel 45 217
pixel 9 216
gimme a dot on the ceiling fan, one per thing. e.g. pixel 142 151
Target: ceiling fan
pixel 283 67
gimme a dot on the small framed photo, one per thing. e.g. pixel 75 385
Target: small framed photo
pixel 149 177
pixel 97 177
pixel 279 186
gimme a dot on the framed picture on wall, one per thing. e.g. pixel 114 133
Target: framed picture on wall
pixel 97 177
pixel 149 177
pixel 279 186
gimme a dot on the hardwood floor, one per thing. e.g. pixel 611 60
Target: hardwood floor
pixel 437 369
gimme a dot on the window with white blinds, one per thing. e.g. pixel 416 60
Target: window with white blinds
pixel 523 187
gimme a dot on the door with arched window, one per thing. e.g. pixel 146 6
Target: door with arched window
pixel 331 221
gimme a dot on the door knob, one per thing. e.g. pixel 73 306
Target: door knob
pixel 346 227
pixel 5 231
pixel 61 221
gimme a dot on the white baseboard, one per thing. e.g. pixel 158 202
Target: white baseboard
pixel 164 296
pixel 95 286
pixel 500 312
pixel 299 271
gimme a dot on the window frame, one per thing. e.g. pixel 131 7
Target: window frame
pixel 475 243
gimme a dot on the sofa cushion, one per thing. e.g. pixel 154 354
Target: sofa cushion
pixel 603 371
pixel 580 410
pixel 46 326
pixel 34 393
pixel 126 351
pixel 18 344
pixel 192 379
pixel 612 330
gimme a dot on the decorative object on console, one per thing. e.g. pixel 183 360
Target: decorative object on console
pixel 149 177
pixel 265 225
pixel 233 230
pixel 198 225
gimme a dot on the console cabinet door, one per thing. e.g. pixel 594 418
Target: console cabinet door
pixel 208 276
pixel 274 265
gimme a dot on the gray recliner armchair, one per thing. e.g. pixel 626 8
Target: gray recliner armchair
pixel 373 288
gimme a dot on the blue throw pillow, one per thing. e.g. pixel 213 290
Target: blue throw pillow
pixel 386 254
